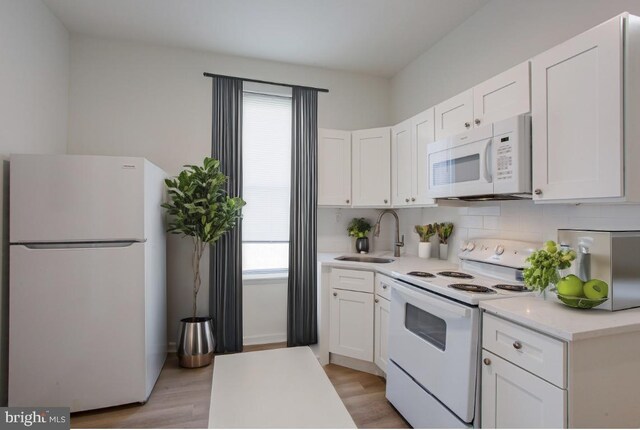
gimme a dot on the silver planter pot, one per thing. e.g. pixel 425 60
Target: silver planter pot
pixel 195 342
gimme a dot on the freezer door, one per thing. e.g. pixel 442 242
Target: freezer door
pixel 64 198
pixel 76 327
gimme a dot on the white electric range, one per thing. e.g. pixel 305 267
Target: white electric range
pixel 434 331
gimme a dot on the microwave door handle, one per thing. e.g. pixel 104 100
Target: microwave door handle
pixel 431 302
pixel 487 162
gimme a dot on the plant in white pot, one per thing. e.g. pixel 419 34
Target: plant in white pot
pixel 425 232
pixel 200 208
pixel 444 230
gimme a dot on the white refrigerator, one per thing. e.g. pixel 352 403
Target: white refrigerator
pixel 87 280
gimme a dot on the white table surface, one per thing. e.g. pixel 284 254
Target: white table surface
pixel 280 388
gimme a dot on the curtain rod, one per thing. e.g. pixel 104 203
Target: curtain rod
pixel 213 75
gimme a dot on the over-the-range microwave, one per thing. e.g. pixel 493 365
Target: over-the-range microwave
pixel 487 163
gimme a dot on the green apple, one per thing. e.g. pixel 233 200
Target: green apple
pixel 570 285
pixel 596 289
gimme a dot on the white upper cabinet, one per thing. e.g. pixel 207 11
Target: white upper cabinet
pixel 455 115
pixel 501 97
pixel 401 164
pixel 578 115
pixel 409 176
pixel 371 167
pixel 422 134
pixel 334 168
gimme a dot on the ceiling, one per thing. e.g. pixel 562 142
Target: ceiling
pixel 377 37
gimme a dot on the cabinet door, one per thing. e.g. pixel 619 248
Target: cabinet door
pixel 371 167
pixel 455 115
pixel 422 134
pixel 381 331
pixel 401 164
pixel 351 324
pixel 334 168
pixel 503 96
pixel 514 398
pixel 577 117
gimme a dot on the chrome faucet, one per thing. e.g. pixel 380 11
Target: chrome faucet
pixel 399 242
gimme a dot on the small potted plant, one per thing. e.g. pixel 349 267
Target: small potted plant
pixel 544 266
pixel 444 230
pixel 425 232
pixel 199 208
pixel 360 228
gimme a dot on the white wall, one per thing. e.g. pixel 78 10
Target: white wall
pixel 500 35
pixel 151 101
pixel 34 84
pixel 264 311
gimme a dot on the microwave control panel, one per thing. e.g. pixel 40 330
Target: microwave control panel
pixel 504 157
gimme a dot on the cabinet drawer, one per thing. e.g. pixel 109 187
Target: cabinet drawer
pixel 533 351
pixel 383 286
pixel 354 280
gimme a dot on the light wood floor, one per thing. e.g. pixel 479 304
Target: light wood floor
pixel 181 397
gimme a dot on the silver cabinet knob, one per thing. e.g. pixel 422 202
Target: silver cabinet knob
pixel 384 287
pixel 537 191
pixel 406 200
pixel 486 361
pixel 347 201
pixel 517 345
pixel 376 300
pixel 413 199
pixel 477 121
pixel 386 201
pixel 335 294
pixel 467 124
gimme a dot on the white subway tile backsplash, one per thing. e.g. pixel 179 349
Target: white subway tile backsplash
pixel 492 222
pixel 485 210
pixel 471 221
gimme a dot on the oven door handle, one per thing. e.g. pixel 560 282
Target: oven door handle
pixel 487 162
pixel 439 304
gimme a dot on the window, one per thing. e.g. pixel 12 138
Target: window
pixel 266 140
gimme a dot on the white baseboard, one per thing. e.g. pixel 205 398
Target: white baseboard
pixel 264 338
pixel 356 364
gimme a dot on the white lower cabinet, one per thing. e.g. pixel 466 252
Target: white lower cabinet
pixel 515 398
pixel 351 322
pixel 381 331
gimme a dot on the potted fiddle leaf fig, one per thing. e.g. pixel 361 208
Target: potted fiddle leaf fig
pixel 200 208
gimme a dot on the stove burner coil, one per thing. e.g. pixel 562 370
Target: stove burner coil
pixel 422 274
pixel 509 287
pixel 472 288
pixel 458 275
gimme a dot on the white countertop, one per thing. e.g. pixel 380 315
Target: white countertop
pixel 403 264
pixel 555 319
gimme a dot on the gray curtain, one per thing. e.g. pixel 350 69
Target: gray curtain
pixel 225 268
pixel 302 293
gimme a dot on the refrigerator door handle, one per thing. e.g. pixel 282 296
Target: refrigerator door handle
pixel 81 245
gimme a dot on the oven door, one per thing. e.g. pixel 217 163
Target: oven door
pixel 460 166
pixel 435 341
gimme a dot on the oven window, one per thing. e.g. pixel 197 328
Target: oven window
pixel 429 327
pixel 463 169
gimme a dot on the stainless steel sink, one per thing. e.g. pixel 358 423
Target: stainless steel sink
pixel 364 259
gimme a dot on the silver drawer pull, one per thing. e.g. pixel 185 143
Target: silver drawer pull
pixel 517 345
pixel 335 294
pixel 376 300
pixel 384 287
pixel 486 361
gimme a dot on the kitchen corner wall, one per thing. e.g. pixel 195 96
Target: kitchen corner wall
pixel 152 101
pixel 34 84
